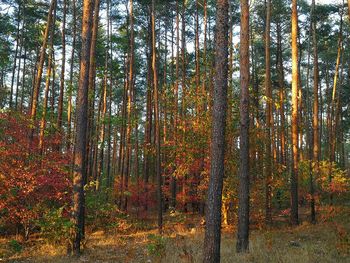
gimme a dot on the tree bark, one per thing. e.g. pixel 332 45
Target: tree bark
pixel 63 68
pixel 157 128
pixel 70 90
pixel 243 190
pixel 214 198
pixel 315 125
pixel 79 173
pixel 295 77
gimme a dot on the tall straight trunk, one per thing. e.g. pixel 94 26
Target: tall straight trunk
pixel 183 47
pixel 23 79
pixel 92 85
pixel 280 73
pixel 184 95
pixel 79 173
pixel 34 72
pixel 109 137
pixel 176 100
pixel 295 80
pixel 335 91
pixel 16 53
pixel 214 198
pixel 63 68
pixel 40 65
pixel 130 91
pixel 205 18
pixel 197 57
pixel 47 88
pixel 122 138
pixel 102 135
pixel 157 128
pixel 243 190
pixel 53 86
pixel 19 65
pixel 269 121
pixel 332 124
pixel 70 90
pixel 315 125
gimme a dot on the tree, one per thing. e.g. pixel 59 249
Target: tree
pixel 157 126
pixel 214 197
pixel 243 191
pixel 269 116
pixel 37 82
pixel 295 137
pixel 79 162
pixel 63 68
pixel 315 112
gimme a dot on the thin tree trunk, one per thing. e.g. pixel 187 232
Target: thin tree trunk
pixel 269 121
pixel 23 79
pixel 37 82
pixel 70 90
pixel 315 125
pixel 47 88
pixel 281 92
pixel 63 68
pixel 295 78
pixel 157 128
pixel 19 62
pixel 16 52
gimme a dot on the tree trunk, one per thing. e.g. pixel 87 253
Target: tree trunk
pixel 47 88
pixel 79 173
pixel 214 199
pixel 37 81
pixel 70 90
pixel 16 52
pixel 63 68
pixel 157 128
pixel 280 73
pixel 295 77
pixel 315 125
pixel 269 121
pixel 243 190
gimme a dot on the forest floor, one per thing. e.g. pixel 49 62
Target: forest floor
pixel 327 241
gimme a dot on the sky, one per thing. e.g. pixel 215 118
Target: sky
pixel 327 1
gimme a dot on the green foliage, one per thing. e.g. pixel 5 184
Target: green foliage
pixel 100 212
pixel 156 245
pixel 15 246
pixel 54 226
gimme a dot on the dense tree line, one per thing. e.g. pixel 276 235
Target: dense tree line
pixel 231 109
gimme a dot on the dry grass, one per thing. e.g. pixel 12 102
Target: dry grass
pixel 328 241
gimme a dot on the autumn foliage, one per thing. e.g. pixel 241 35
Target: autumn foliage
pixel 31 182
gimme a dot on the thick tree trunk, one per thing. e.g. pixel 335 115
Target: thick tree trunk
pixel 214 199
pixel 243 190
pixel 79 173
